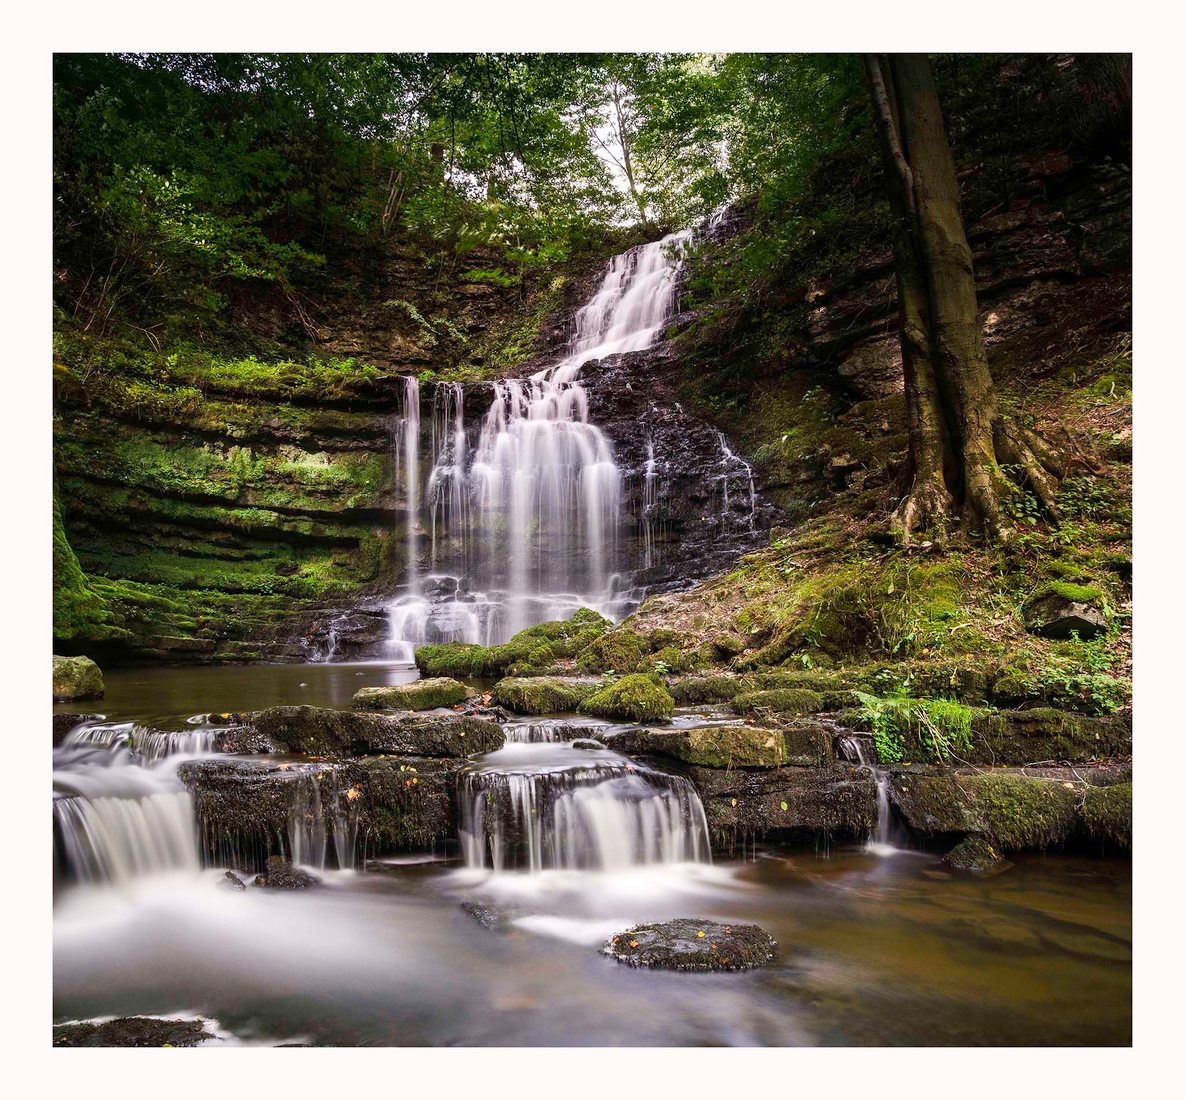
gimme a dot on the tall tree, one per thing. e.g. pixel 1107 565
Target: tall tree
pixel 959 442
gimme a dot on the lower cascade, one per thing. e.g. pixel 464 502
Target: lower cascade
pixel 541 806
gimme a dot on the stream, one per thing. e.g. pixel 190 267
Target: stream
pixel 873 950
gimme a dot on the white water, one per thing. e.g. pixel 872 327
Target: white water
pixel 534 807
pixel 524 510
pixel 860 751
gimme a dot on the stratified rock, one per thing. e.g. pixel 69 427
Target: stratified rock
pixel 426 694
pixel 321 731
pixel 282 875
pixel 132 1031
pixel 976 856
pixel 76 678
pixel 690 944
pixel 1065 610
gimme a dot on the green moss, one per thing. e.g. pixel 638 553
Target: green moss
pixel 543 694
pixel 703 689
pixel 637 697
pixel 1078 593
pixel 424 694
pixel 1107 814
pixel 620 650
pixel 80 613
pixel 781 700
pixel 1021 812
pixel 76 678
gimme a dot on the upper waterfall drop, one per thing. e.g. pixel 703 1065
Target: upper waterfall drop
pixel 525 511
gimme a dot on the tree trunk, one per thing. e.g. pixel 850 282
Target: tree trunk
pixel 950 397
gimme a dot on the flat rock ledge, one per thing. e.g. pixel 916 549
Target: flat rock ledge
pixel 132 1031
pixel 690 944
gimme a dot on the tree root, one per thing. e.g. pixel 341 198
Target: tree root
pixel 1038 463
pixel 928 506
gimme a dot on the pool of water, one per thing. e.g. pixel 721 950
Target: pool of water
pixel 874 949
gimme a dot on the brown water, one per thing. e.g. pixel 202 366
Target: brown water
pixel 874 950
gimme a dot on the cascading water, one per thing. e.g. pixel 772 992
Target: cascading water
pixel 536 807
pixel 320 821
pixel 524 510
pixel 860 750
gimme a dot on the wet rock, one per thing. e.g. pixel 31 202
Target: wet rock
pixel 545 694
pixel 426 694
pixel 132 1031
pixel 741 805
pixel 390 803
pixel 230 881
pixel 321 731
pixel 1066 610
pixel 708 746
pixel 587 743
pixel 690 944
pixel 975 856
pixel 1107 815
pixel 492 920
pixel 64 723
pixel 242 740
pixel 637 697
pixel 282 875
pixel 76 678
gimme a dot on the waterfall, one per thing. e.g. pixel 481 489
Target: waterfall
pixel 524 505
pixel 529 814
pixel 150 745
pixel 319 816
pixel 115 820
pixel 734 466
pixel 649 500
pixel 860 750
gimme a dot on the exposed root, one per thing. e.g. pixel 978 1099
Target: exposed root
pixel 928 506
pixel 1035 460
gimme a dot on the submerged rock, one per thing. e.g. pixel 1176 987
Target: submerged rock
pixel 231 881
pixel 132 1031
pixel 638 697
pixel 690 944
pixel 976 856
pixel 76 678
pixel 321 731
pixel 283 875
pixel 492 920
pixel 426 694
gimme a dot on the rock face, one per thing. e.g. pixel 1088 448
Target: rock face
pixel 321 731
pixel 425 694
pixel 1060 615
pixel 76 678
pixel 132 1031
pixel 690 944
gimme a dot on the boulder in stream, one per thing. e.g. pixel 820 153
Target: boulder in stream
pixel 322 731
pixel 974 855
pixel 76 678
pixel 691 944
pixel 425 694
pixel 282 874
pixel 131 1031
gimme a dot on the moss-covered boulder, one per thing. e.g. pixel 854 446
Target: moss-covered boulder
pixel 1015 812
pixel 544 694
pixel 321 731
pixel 693 944
pixel 620 650
pixel 974 855
pixel 709 746
pixel 637 697
pixel 76 678
pixel 1061 609
pixel 780 701
pixel 1107 815
pixel 454 659
pixel 716 688
pixel 427 694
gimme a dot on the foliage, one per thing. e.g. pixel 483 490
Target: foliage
pixel 941 727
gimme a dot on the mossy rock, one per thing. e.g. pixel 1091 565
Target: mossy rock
pixel 709 746
pixel 76 678
pixel 1060 609
pixel 1045 733
pixel 454 659
pixel 544 694
pixel 1107 815
pixel 425 694
pixel 637 697
pixel 974 855
pixel 620 650
pixel 322 731
pixel 692 944
pixel 796 701
pixel 814 680
pixel 688 690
